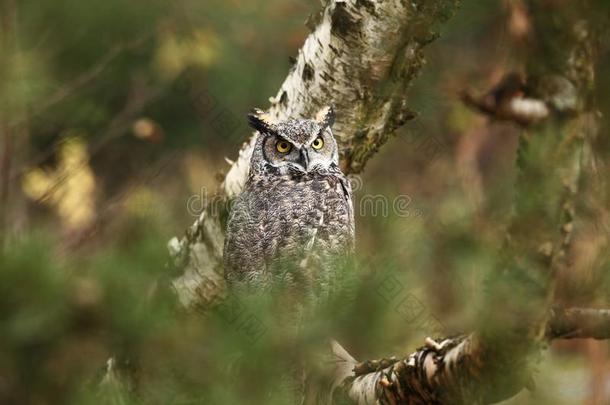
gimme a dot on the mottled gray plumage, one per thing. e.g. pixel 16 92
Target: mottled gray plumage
pixel 295 214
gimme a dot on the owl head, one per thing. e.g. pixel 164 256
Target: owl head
pixel 294 145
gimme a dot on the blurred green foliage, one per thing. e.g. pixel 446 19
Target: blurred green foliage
pixel 188 71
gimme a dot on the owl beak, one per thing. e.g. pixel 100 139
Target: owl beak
pixel 304 159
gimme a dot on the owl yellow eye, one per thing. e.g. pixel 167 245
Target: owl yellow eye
pixel 317 143
pixel 283 147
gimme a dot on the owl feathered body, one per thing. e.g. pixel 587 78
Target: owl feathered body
pixel 295 215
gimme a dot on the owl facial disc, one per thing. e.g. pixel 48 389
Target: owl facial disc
pixel 294 145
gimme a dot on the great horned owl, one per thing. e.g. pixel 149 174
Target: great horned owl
pixel 296 212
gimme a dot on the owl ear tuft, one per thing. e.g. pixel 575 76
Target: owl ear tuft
pixel 326 116
pixel 261 121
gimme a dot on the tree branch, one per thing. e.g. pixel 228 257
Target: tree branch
pixel 578 323
pixel 435 373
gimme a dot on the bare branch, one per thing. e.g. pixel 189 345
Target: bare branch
pixel 579 323
pixel 435 373
pixel 88 75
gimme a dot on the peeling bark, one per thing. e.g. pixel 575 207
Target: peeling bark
pixel 435 373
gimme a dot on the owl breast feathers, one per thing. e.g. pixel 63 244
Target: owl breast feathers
pixel 295 215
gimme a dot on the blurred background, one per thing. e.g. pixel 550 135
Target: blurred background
pixel 116 123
